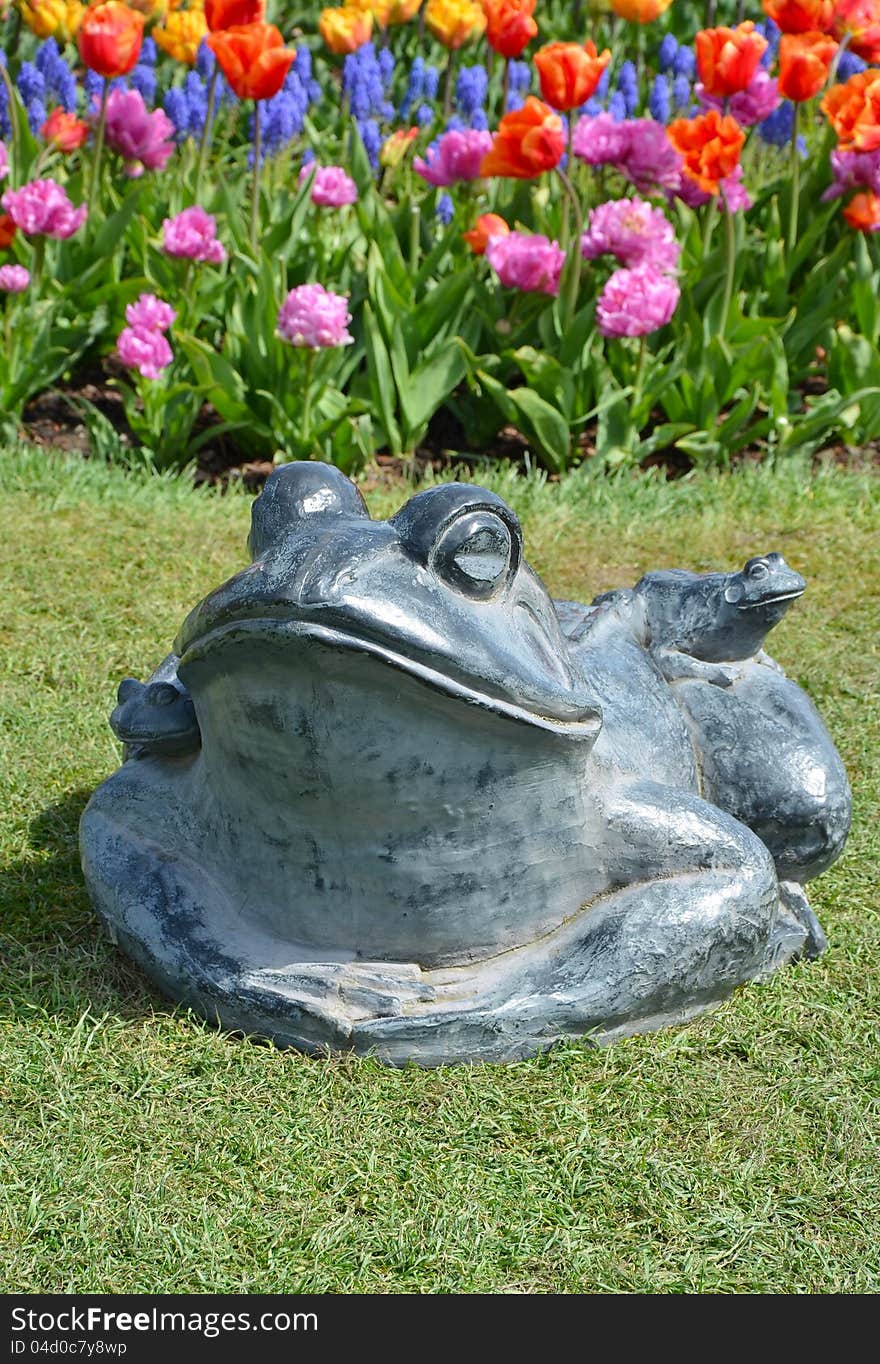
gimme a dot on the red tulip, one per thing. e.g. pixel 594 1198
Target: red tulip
pixel 253 59
pixel 220 14
pixel 110 38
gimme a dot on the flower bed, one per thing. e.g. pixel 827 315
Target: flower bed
pixel 613 234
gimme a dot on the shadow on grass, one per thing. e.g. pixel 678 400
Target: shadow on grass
pixel 56 957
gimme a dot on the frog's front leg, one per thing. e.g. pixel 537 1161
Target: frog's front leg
pixel 689 915
pixel 677 666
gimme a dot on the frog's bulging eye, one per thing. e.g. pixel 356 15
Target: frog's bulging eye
pixel 757 569
pixel 475 554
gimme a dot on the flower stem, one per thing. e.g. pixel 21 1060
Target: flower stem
pixel 99 147
pixel 39 257
pixel 307 402
pixel 505 86
pixel 795 182
pixel 255 198
pixel 730 233
pixel 639 381
pixel 574 278
pixel 205 142
pixel 447 85
pixel 12 104
pixel 566 219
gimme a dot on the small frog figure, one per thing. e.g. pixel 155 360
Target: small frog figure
pixel 762 752
pixel 704 625
pixel 156 716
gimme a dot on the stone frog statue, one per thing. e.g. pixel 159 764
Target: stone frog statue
pixel 423 811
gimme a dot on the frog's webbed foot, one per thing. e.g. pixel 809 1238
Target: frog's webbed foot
pixel 677 666
pixel 766 661
pixel 793 901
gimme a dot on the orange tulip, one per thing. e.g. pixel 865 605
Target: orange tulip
pixel 570 73
pixel 711 146
pixel 801 16
pixel 509 25
pixel 487 225
pixel 380 10
pixel 853 110
pixel 253 59
pixel 640 11
pixel 233 13
pixel 402 11
pixel 7 231
pixel 110 38
pixel 727 58
pixel 455 22
pixel 65 131
pixel 345 29
pixel 861 20
pixel 804 62
pixel 529 141
pixel 863 212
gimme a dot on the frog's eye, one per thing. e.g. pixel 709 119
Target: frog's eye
pixel 475 553
pixel 163 694
pixel 757 569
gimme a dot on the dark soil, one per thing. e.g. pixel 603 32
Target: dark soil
pixel 54 419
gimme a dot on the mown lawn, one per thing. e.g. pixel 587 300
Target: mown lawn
pixel 140 1150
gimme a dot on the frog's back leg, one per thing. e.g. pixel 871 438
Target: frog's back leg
pixel 766 758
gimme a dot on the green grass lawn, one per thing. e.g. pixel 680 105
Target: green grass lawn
pixel 141 1150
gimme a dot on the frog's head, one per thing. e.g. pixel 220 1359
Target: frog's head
pixel 440 591
pixel 766 586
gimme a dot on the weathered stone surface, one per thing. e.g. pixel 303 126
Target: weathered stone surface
pixel 385 795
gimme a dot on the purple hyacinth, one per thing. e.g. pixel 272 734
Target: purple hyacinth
pixel 667 51
pixel 853 170
pixel 685 63
pixel 659 101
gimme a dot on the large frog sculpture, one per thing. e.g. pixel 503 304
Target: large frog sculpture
pixel 385 795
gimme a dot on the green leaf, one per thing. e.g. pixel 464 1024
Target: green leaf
pixel 538 421
pixel 381 379
pixel 430 385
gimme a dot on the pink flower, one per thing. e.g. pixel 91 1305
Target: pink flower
pixel 650 161
pixel 144 350
pixel 192 235
pixel 854 170
pixel 749 106
pixel 42 209
pixel 4 161
pixel 635 302
pixel 600 141
pixel 150 314
pixel 456 156
pixel 331 187
pixel 142 138
pixel 312 316
pixel 733 197
pixel 634 232
pixel 530 263
pixel 14 279
pixel 637 147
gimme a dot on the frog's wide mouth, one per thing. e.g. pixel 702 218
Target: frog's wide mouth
pixel 772 601
pixel 584 725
